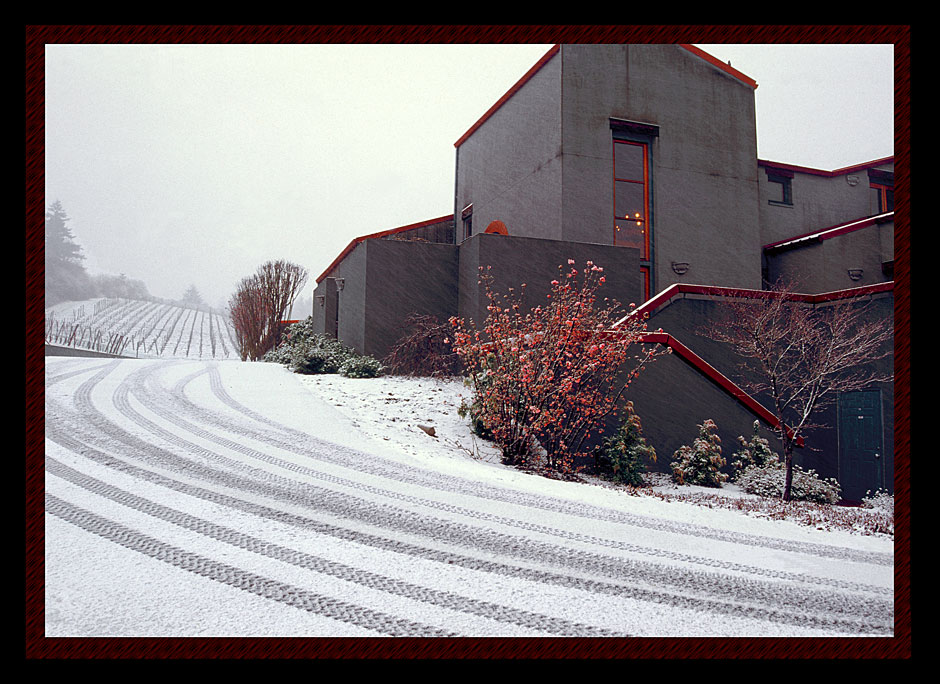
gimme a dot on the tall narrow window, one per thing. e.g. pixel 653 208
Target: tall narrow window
pixel 631 202
pixel 632 181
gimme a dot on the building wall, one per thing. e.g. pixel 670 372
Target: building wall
pixel 542 162
pixel 324 307
pixel 819 201
pixel 510 167
pixel 353 309
pixel 405 278
pixel 672 399
pixel 441 231
pixel 535 261
pixel 829 265
pixel 704 159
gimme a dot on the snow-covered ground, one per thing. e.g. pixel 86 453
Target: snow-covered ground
pixel 200 498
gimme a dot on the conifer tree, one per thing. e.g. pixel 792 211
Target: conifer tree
pixel 66 277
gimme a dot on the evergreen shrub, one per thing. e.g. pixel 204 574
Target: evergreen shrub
pixel 623 456
pixel 881 500
pixel 701 463
pixel 753 452
pixel 310 353
pixel 360 367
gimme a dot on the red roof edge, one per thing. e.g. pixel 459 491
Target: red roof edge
pixel 380 234
pixel 646 309
pixel 727 68
pixel 509 93
pixel 832 231
pixel 822 172
pixel 714 61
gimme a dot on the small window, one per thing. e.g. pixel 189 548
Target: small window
pixel 882 199
pixel 466 217
pixel 882 190
pixel 781 189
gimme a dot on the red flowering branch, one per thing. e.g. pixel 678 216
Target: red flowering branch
pixel 546 379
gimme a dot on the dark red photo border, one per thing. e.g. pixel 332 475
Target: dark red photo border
pixel 40 647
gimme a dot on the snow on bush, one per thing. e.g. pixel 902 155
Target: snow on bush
pixel 879 501
pixel 701 463
pixel 311 353
pixel 753 452
pixel 768 481
pixel 360 367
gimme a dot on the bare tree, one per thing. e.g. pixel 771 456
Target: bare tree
pixel 249 317
pixel 281 282
pixel 259 304
pixel 802 355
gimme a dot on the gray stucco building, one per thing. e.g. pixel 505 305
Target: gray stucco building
pixel 642 159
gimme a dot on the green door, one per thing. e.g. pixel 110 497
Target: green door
pixel 861 453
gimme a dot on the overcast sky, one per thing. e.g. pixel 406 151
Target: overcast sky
pixel 194 164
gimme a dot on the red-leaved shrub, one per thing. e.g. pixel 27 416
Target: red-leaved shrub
pixel 546 379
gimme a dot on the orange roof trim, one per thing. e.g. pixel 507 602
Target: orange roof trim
pixel 747 80
pixel 714 61
pixel 509 93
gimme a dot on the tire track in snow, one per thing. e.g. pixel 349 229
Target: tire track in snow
pixel 442 599
pixel 147 446
pixel 362 463
pixel 687 601
pixel 401 472
pixel 297 597
pixel 172 414
pixel 434 528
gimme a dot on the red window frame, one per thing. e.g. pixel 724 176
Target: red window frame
pixel 883 189
pixel 640 220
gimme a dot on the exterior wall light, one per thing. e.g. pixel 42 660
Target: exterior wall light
pixel 340 283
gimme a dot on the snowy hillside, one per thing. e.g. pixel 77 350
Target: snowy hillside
pixel 140 328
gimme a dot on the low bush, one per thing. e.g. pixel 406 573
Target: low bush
pixel 294 336
pixel 753 452
pixel 424 351
pixel 360 367
pixel 701 463
pixel 623 456
pixel 319 355
pixel 310 353
pixel 879 501
pixel 769 480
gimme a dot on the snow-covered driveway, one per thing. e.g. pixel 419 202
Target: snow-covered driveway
pixel 188 498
